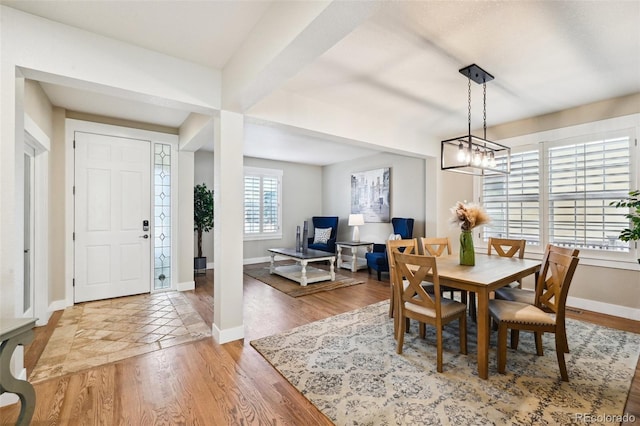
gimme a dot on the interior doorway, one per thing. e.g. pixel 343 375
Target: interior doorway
pixel 28 293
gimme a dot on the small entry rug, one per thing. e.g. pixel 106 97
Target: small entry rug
pixel 294 289
pixel 97 333
pixel 347 367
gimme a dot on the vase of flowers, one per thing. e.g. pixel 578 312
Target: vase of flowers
pixel 466 217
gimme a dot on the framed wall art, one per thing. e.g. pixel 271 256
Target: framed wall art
pixel 370 194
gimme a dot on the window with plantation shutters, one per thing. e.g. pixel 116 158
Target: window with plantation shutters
pixel 560 193
pixel 583 179
pixel 262 203
pixel 512 201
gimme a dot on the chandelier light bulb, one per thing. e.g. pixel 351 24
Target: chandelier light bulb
pixel 492 160
pixel 462 153
pixel 477 157
pixel 485 159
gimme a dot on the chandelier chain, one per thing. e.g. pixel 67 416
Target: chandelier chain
pixel 484 108
pixel 469 103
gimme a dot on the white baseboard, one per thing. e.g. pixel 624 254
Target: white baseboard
pixel 44 321
pixel 58 305
pixel 210 265
pixel 226 336
pixel 186 286
pixel 12 398
pixel 604 308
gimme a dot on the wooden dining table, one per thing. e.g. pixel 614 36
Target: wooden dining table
pixel 488 274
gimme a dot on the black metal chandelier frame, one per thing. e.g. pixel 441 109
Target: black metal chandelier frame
pixel 471 154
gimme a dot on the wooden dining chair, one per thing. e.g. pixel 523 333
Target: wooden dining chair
pixel 416 303
pixel 528 296
pixel 397 246
pixel 503 247
pixel 550 296
pixel 437 246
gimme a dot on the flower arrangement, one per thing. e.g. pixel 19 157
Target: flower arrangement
pixel 468 216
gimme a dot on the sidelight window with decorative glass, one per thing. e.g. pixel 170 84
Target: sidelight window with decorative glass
pixel 472 154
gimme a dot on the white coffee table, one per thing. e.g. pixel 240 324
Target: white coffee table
pixel 301 272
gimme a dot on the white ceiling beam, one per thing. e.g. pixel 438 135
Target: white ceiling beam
pixel 196 132
pixel 288 37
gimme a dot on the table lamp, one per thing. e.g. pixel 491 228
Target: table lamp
pixel 355 220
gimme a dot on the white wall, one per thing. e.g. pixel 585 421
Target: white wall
pixel 47 51
pixel 408 192
pixel 203 173
pixel 302 199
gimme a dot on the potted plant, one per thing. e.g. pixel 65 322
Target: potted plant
pixel 633 202
pixel 202 219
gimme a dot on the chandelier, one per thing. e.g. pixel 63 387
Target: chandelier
pixel 471 154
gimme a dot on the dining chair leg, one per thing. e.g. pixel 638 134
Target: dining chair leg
pixel 560 355
pixel 515 338
pixel 564 334
pixel 422 330
pixel 401 331
pixel 439 346
pixel 472 306
pixel 502 347
pixel 539 351
pixel 463 334
pixel 391 301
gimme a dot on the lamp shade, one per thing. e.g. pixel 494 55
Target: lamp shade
pixel 356 219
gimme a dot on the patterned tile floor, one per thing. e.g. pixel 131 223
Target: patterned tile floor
pixel 96 333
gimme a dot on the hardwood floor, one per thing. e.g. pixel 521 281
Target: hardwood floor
pixel 203 383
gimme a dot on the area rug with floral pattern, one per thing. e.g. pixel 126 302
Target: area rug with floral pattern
pixel 348 368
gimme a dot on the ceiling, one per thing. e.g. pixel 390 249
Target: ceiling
pixel 400 65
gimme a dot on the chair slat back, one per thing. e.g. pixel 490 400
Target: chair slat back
pixel 556 276
pixel 409 246
pixel 506 247
pixel 435 246
pixel 566 251
pixel 415 269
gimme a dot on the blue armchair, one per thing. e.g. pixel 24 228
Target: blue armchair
pixel 377 259
pixel 324 222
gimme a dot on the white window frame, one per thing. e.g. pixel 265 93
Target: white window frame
pixel 542 140
pixel 530 244
pixel 271 173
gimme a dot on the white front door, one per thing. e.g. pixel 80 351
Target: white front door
pixel 112 203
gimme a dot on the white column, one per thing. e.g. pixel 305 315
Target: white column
pixel 228 232
pixel 185 221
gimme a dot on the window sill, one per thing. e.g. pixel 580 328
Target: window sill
pixel 262 237
pixel 627 265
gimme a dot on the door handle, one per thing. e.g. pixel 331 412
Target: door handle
pixel 145 236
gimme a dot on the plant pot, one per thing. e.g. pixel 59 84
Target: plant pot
pixel 200 264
